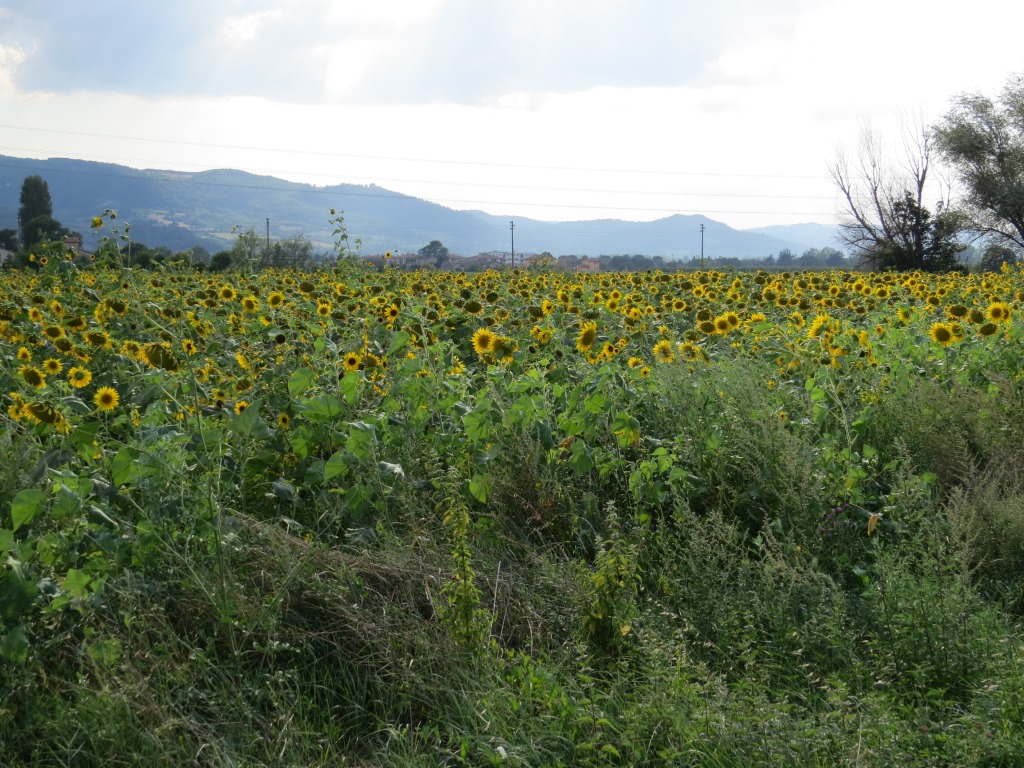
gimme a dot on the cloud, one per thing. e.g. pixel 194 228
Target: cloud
pixel 474 52
pixel 186 48
pixel 388 52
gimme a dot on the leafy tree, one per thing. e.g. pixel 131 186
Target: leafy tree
pixel 983 140
pixel 785 257
pixel 9 239
pixel 35 199
pixel 887 225
pixel 249 249
pixel 296 252
pixel 220 261
pixel 994 256
pixel 435 250
pixel 41 228
pixel 36 212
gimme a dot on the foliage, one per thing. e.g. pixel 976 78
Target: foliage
pixel 435 250
pixel 36 205
pixel 983 140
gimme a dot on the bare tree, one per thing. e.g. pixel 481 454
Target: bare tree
pixel 886 223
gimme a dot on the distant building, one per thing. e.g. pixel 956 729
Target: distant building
pixel 489 260
pixel 587 265
pixel 6 255
pixel 540 261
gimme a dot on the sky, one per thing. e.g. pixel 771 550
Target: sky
pixel 560 110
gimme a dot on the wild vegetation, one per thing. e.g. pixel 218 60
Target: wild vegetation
pixel 393 518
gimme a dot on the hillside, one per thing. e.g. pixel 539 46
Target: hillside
pixel 180 210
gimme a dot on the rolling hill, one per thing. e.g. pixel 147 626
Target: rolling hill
pixel 181 210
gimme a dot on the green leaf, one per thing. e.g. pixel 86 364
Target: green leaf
pixel 249 423
pixel 626 430
pixel 124 468
pixel 300 381
pixel 76 583
pixel 480 488
pixel 14 646
pixel 25 506
pixel 398 341
pixel 322 409
pixel 335 466
pixel 350 385
pixel 478 423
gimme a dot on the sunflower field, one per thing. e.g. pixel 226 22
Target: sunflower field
pixel 434 518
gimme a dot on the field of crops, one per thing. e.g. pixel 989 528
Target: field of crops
pixel 521 518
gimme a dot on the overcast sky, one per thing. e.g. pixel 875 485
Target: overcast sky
pixel 552 109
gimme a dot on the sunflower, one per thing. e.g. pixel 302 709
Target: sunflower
pixel 323 308
pixel 819 326
pixel 189 346
pixel 24 354
pixel 988 329
pixel 250 304
pixel 690 351
pixel 275 299
pixel 663 352
pixel 79 377
pixel 98 339
pixel 53 332
pixel 284 420
pixel 227 293
pixel 53 366
pixel 999 312
pixel 941 334
pixel 32 376
pixel 587 336
pixel 240 406
pixel 106 398
pixel 483 340
pixel 503 348
pixel 352 361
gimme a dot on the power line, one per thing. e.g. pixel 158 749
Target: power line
pixel 397 196
pixel 347 155
pixel 449 183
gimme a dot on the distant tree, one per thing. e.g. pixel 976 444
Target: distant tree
pixel 249 250
pixel 887 225
pixel 295 252
pixel 995 255
pixel 9 239
pixel 785 258
pixel 435 250
pixel 40 229
pixel 984 143
pixel 35 200
pixel 832 257
pixel 220 261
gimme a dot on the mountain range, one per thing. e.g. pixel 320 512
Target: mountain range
pixel 181 210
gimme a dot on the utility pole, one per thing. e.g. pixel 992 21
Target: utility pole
pixel 512 229
pixel 268 241
pixel 702 246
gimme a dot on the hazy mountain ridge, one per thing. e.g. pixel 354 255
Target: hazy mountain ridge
pixel 182 209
